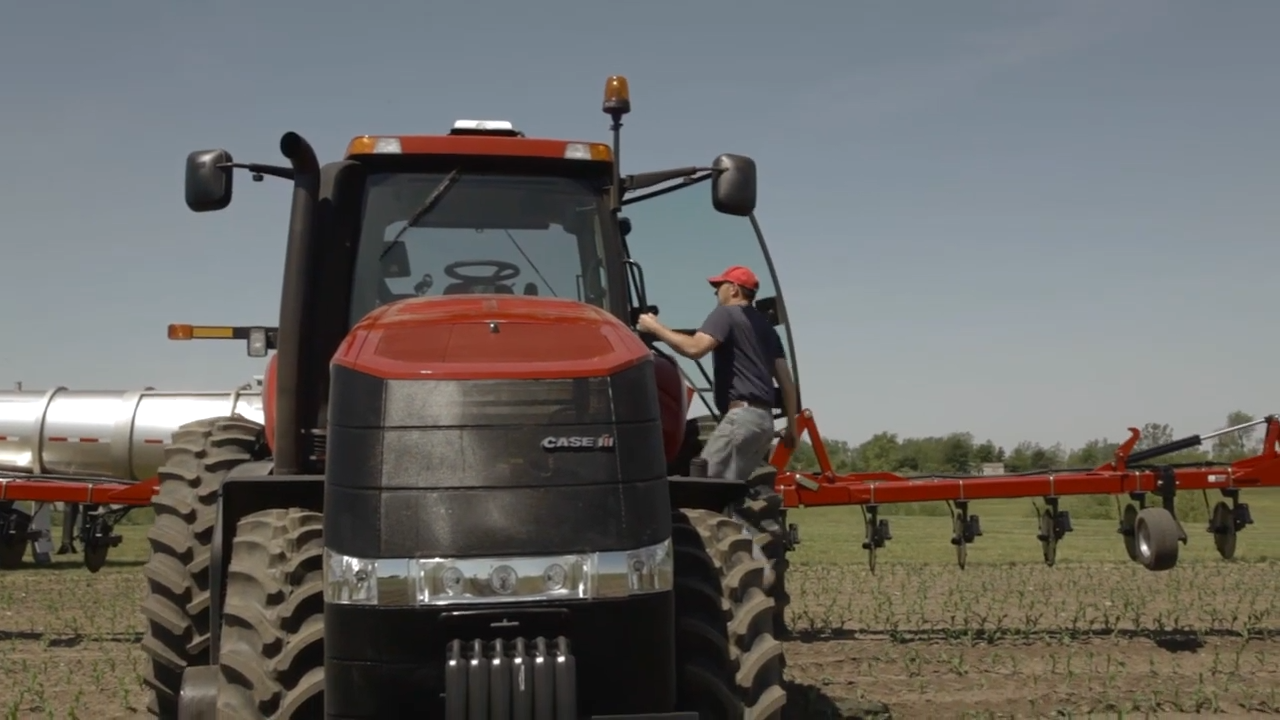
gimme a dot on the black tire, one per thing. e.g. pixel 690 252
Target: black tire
pixel 13 550
pixel 1128 519
pixel 728 661
pixel 271 651
pixel 1222 523
pixel 1157 534
pixel 762 511
pixel 177 573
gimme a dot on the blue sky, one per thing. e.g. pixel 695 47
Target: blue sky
pixel 1030 220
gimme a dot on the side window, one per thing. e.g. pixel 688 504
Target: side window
pixel 680 241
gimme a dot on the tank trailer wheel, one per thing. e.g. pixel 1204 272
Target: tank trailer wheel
pixel 1129 519
pixel 728 661
pixel 14 528
pixel 11 554
pixel 1222 523
pixel 1156 535
pixel 271 658
pixel 176 606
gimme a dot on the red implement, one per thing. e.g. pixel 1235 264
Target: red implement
pixel 65 489
pixel 1151 534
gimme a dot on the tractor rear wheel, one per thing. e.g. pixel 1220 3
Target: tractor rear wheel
pixel 763 512
pixel 728 661
pixel 176 606
pixel 271 650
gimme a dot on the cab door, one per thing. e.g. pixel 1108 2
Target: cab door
pixel 679 240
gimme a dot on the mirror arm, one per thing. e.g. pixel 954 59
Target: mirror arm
pixel 687 181
pixel 258 170
pixel 657 177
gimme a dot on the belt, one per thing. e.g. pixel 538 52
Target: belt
pixel 734 404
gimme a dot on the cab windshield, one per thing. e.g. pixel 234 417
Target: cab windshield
pixel 532 235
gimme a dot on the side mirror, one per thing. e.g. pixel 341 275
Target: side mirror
pixel 624 225
pixel 733 189
pixel 769 307
pixel 208 185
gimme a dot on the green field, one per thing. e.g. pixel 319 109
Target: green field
pixel 1007 636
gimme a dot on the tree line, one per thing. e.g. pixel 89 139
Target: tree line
pixel 959 453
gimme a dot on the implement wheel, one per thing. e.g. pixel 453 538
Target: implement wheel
pixel 728 662
pixel 177 604
pixel 1128 521
pixel 1223 524
pixel 1156 535
pixel 271 657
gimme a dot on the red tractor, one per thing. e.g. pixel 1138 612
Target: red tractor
pixel 471 501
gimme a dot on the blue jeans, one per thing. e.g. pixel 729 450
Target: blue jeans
pixel 739 443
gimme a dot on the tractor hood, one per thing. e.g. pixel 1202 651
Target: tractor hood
pixel 493 425
pixel 489 337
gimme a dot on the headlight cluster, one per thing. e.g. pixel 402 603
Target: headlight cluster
pixel 408 582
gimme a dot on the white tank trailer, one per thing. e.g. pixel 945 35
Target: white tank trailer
pixel 92 436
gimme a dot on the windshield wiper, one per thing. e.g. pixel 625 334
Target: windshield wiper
pixel 427 206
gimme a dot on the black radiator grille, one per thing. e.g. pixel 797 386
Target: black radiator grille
pixel 517 679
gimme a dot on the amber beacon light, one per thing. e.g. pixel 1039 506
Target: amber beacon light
pixel 617 96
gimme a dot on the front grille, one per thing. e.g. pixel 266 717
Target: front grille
pixel 517 679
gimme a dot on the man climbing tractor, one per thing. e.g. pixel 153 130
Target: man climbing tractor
pixel 747 356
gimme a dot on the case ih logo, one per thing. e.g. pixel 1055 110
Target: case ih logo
pixel 577 442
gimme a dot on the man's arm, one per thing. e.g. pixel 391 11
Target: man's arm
pixel 691 346
pixel 790 403
pixel 714 330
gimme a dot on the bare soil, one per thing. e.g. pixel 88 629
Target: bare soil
pixel 911 641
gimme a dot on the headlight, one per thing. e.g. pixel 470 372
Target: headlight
pixel 408 582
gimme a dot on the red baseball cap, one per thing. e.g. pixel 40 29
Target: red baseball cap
pixel 738 275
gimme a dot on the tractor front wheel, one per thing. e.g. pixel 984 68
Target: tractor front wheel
pixel 271 655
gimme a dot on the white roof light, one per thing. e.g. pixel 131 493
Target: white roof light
pixel 577 151
pixel 484 125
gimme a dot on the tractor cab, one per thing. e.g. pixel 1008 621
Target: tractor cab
pixel 441 222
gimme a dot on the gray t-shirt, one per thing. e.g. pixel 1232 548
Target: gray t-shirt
pixel 743 361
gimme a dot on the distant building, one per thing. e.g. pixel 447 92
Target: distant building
pixel 992 468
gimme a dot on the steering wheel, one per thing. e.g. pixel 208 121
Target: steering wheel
pixel 503 271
